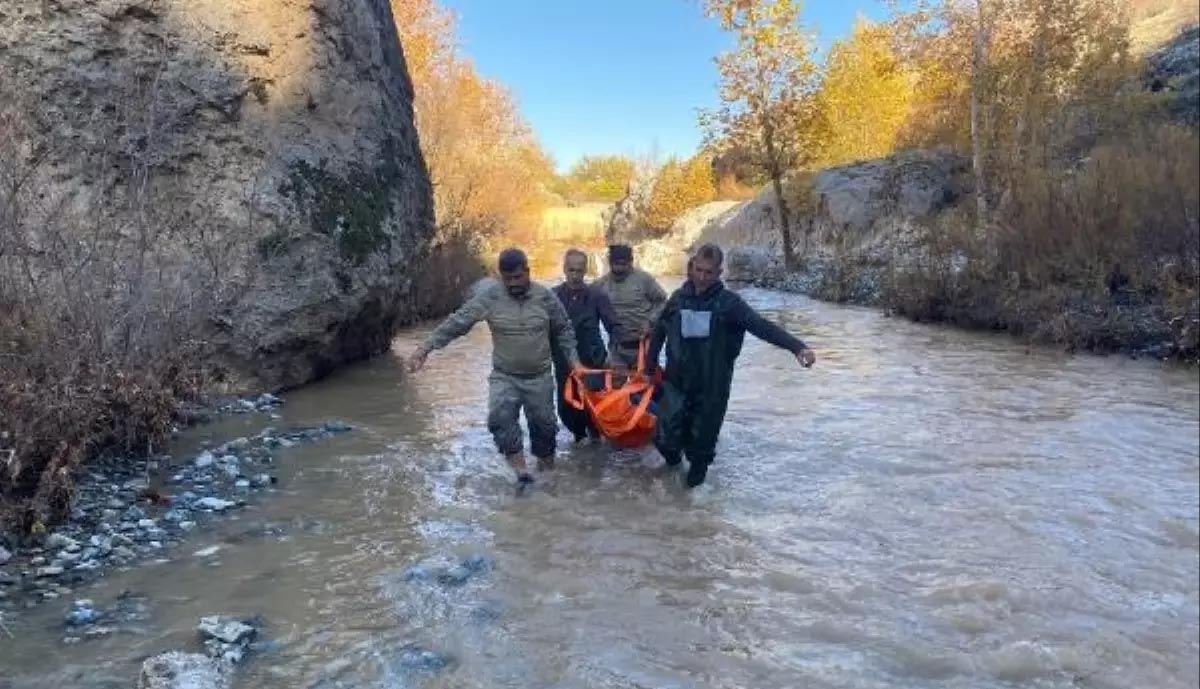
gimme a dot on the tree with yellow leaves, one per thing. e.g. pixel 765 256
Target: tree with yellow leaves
pixel 865 97
pixel 768 85
pixel 488 170
pixel 598 178
pixel 678 186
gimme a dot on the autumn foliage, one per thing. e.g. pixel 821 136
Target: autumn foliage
pixel 489 173
pixel 593 179
pixel 678 186
pixel 1084 191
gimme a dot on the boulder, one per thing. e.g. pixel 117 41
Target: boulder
pixel 751 264
pixel 867 208
pixel 177 670
pixel 274 139
pixel 668 254
pixel 622 221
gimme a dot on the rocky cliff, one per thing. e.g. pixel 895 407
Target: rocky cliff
pixel 270 142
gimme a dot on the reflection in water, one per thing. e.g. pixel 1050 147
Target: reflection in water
pixel 926 508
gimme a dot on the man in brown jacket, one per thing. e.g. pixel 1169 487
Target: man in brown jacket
pixel 523 317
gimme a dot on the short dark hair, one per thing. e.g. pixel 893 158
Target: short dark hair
pixel 512 260
pixel 574 252
pixel 620 252
pixel 711 252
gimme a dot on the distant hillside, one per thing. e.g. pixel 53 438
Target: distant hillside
pixel 1158 21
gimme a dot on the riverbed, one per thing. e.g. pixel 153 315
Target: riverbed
pixel 925 508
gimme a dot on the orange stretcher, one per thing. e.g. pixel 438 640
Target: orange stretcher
pixel 623 414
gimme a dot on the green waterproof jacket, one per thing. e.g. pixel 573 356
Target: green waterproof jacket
pixel 703 334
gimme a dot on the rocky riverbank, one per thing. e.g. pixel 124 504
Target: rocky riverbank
pixel 894 233
pixel 128 511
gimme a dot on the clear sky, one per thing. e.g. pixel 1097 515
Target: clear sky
pixel 613 76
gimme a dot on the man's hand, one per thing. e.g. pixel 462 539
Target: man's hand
pixel 806 357
pixel 416 360
pixel 647 330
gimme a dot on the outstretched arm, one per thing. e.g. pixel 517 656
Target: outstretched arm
pixel 753 322
pixel 455 326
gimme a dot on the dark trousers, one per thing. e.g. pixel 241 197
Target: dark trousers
pixel 577 421
pixel 689 423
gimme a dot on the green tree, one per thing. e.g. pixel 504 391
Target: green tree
pixel 767 88
pixel 599 178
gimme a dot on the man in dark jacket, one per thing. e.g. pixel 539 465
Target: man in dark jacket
pixel 588 308
pixel 703 325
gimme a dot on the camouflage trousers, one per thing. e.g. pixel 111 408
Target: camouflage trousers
pixel 508 395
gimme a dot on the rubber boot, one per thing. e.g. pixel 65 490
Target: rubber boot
pixel 517 462
pixel 673 458
pixel 697 471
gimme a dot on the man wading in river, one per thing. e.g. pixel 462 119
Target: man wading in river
pixel 523 317
pixel 588 308
pixel 703 325
pixel 636 298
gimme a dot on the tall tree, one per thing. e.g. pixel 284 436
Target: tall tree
pixel 487 168
pixel 767 88
pixel 979 68
pixel 866 96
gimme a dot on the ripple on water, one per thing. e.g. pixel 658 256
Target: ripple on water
pixel 926 509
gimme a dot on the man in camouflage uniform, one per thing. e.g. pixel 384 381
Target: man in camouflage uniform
pixel 523 317
pixel 637 299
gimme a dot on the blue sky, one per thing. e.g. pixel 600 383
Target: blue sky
pixel 613 76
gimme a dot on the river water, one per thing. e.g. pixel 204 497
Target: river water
pixel 925 508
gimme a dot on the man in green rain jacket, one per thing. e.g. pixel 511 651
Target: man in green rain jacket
pixel 703 325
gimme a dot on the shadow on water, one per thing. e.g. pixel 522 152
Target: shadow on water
pixel 926 508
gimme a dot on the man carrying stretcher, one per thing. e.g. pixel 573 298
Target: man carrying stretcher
pixel 523 317
pixel 588 308
pixel 703 325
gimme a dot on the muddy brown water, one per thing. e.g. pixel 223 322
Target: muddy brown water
pixel 926 508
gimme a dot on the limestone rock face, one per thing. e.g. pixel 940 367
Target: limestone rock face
pixel 274 140
pixel 622 221
pixel 867 208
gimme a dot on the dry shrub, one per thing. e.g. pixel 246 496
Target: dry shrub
pixel 104 293
pixel 678 186
pixel 1103 256
pixel 730 188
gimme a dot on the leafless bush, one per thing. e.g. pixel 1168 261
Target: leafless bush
pixel 1101 256
pixel 108 274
